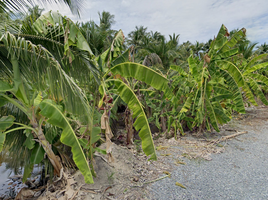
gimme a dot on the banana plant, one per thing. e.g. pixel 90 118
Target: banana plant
pixel 121 87
pixel 214 84
pixel 251 70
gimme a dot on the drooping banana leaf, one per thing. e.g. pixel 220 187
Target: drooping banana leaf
pixel 220 113
pixel 141 124
pixel 211 114
pixel 227 54
pixel 257 90
pixel 233 70
pixel 222 97
pixel 55 117
pixel 179 69
pixel 255 67
pixel 260 77
pixel 234 89
pixel 249 94
pixel 145 74
pixel 253 60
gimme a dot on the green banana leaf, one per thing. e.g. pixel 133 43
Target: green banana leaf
pixel 37 154
pixel 233 70
pixel 255 67
pixel 55 117
pixel 260 77
pixel 227 54
pixel 233 41
pixel 145 74
pixel 238 77
pixel 114 50
pixel 222 97
pixel 221 116
pixel 257 90
pixel 141 124
pixel 211 114
pixel 179 69
pixel 253 60
pixel 220 40
pixel 234 89
pixel 5 123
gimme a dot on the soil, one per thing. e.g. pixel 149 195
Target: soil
pixel 131 172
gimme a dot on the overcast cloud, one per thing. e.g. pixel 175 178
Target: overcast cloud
pixel 194 20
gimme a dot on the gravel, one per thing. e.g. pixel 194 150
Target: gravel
pixel 240 172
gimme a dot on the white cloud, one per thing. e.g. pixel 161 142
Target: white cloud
pixel 194 20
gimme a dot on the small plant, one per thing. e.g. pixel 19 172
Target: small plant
pixel 137 144
pixel 111 177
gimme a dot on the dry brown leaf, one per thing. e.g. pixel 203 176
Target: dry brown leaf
pixel 103 121
pixel 180 162
pixel 167 173
pixel 167 154
pixel 161 147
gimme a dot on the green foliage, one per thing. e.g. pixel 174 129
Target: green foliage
pixel 141 124
pixel 55 117
pixel 54 70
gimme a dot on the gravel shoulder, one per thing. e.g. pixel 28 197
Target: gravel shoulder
pixel 239 171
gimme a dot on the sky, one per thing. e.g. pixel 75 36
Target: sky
pixel 193 20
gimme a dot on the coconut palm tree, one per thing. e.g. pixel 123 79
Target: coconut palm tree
pixel 35 77
pixel 263 48
pixel 99 37
pixel 18 5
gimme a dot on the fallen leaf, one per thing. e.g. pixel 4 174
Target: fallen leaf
pixel 167 154
pixel 161 147
pixel 180 162
pixel 179 184
pixel 167 173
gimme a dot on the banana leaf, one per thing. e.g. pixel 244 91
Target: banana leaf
pixel 234 89
pixel 255 67
pixel 55 117
pixel 253 60
pixel 211 114
pixel 145 74
pixel 257 90
pixel 141 124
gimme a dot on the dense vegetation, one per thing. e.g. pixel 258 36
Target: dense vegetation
pixel 61 84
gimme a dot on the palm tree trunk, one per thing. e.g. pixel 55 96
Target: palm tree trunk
pixel 47 147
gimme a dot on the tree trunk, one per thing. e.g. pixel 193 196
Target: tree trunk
pixel 129 126
pixel 163 122
pixel 50 154
pixel 162 118
pixel 47 147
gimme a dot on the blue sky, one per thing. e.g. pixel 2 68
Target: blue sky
pixel 194 20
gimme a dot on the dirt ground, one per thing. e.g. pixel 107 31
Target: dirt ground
pixel 131 172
